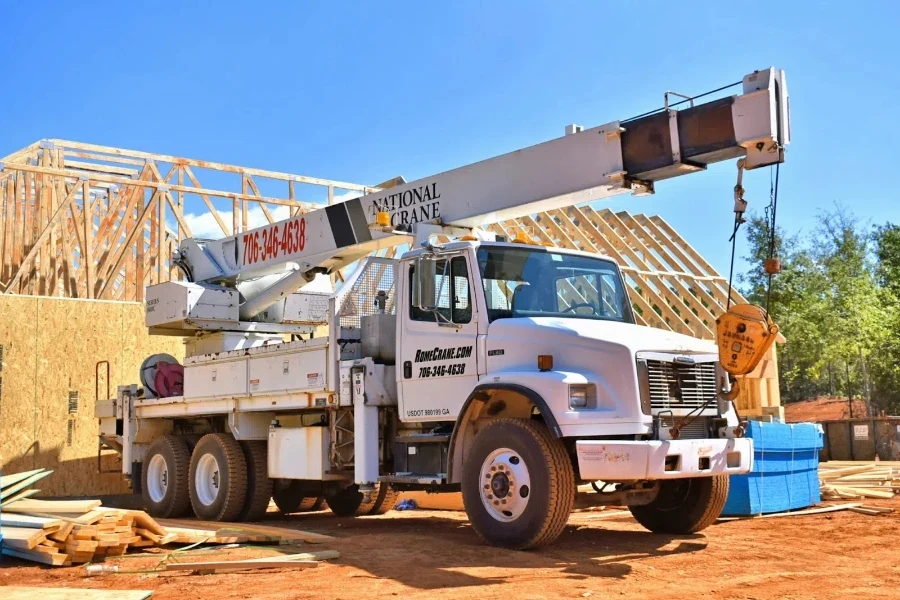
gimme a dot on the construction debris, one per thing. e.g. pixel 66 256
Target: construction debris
pixel 847 480
pixel 66 532
pixel 222 533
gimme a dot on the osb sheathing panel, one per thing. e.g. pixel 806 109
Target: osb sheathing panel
pixel 18 336
pixel 55 345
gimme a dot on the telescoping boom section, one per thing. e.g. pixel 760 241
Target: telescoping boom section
pixel 582 166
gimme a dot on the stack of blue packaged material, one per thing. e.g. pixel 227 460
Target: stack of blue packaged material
pixel 785 473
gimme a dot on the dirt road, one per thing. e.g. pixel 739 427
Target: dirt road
pixel 424 554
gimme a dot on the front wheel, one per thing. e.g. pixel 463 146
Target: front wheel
pixel 684 505
pixel 518 484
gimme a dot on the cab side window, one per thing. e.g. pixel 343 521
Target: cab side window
pixel 454 301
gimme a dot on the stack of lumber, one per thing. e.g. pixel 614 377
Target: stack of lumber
pixel 66 532
pixel 72 532
pixel 841 480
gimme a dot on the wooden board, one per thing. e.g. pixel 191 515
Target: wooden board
pixel 22 538
pixel 224 529
pixel 39 557
pixel 12 520
pixel 56 507
pixel 797 513
pixel 11 490
pixel 8 480
pixel 319 555
pixel 20 496
pixel 241 565
pixel 30 593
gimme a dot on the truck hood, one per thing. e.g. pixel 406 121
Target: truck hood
pixel 584 332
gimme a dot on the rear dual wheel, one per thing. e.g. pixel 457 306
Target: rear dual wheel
pixel 352 502
pixel 164 477
pixel 218 478
pixel 291 496
pixel 259 486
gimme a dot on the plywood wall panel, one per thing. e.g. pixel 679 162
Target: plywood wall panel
pixel 54 356
pixel 18 317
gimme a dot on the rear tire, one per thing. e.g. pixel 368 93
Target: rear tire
pixel 380 501
pixel 387 499
pixel 289 496
pixel 164 478
pixel 259 486
pixel 311 504
pixel 347 502
pixel 383 499
pixel 684 505
pixel 518 484
pixel 218 478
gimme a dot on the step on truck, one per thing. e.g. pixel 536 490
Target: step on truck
pixel 499 368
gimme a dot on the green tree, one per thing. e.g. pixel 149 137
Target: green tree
pixel 837 303
pixel 885 369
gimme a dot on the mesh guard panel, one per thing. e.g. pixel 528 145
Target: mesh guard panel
pixel 377 275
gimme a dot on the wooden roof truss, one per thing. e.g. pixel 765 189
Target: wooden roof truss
pixel 87 221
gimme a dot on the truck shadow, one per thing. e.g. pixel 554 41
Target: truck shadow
pixel 432 552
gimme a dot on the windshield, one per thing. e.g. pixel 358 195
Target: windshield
pixel 535 282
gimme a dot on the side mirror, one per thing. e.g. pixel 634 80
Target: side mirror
pixel 424 294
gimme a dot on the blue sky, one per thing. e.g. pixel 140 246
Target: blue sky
pixel 363 91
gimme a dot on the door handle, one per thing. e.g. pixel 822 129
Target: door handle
pixel 407 369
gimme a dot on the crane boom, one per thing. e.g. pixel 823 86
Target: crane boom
pixel 582 166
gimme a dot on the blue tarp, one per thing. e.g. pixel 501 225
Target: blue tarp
pixel 785 470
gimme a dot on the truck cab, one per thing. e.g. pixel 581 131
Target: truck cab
pixel 541 345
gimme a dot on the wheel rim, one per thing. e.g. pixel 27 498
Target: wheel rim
pixel 505 484
pixel 207 479
pixel 157 478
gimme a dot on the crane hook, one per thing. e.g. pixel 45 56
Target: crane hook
pixel 740 205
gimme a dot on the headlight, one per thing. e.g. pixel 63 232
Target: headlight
pixel 581 396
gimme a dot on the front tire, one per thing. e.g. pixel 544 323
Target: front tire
pixel 164 478
pixel 518 484
pixel 218 478
pixel 684 505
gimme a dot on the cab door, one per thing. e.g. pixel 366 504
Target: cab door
pixel 438 367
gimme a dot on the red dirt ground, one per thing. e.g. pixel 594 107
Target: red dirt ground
pixel 822 409
pixel 425 554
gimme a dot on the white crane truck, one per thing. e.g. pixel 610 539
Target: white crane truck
pixel 507 370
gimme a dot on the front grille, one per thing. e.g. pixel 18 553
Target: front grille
pixel 674 385
pixel 697 429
